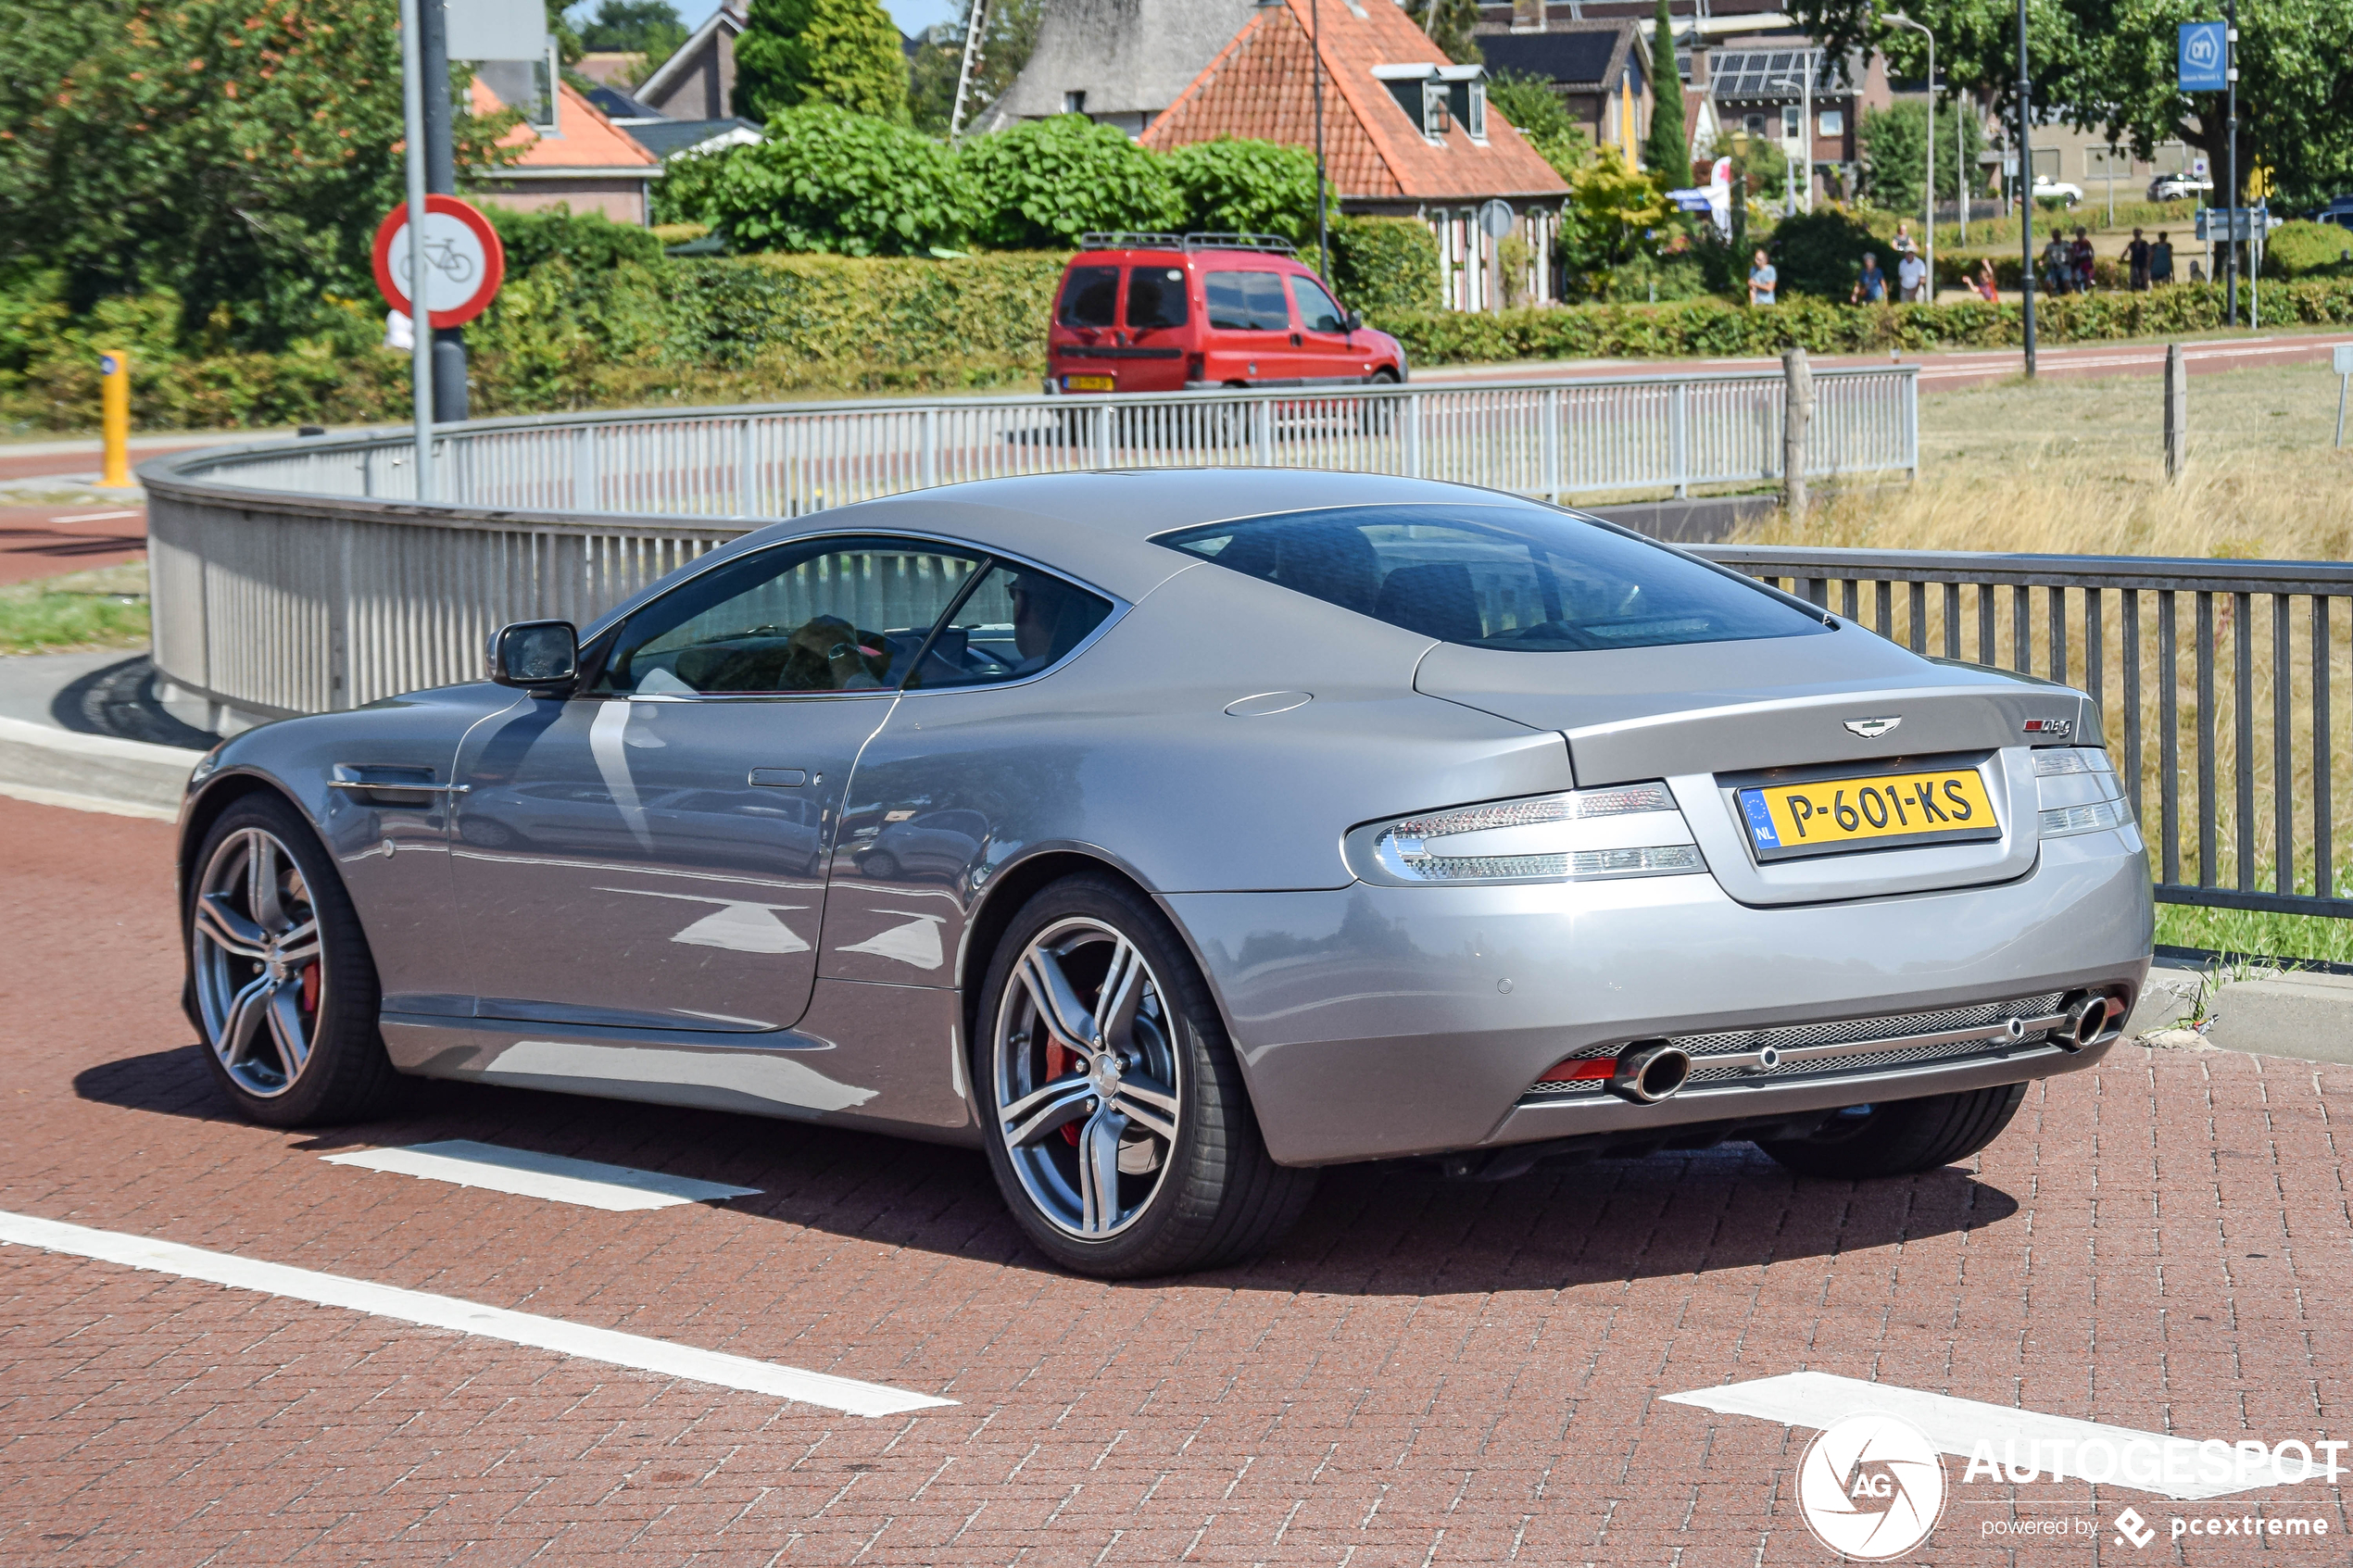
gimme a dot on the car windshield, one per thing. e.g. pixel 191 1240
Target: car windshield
pixel 1521 578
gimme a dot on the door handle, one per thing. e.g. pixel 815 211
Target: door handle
pixel 778 778
pixel 1294 340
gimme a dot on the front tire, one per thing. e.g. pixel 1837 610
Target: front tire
pixel 284 986
pixel 1901 1137
pixel 1113 1111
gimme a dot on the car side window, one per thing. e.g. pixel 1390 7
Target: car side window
pixel 1016 621
pixel 820 615
pixel 1317 311
pixel 1090 297
pixel 1156 297
pixel 1249 302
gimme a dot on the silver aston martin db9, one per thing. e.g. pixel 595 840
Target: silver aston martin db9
pixel 1170 835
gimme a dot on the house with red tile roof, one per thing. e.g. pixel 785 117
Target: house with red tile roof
pixel 578 158
pixel 1407 132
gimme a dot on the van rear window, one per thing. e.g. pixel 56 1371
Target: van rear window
pixel 1156 297
pixel 1090 297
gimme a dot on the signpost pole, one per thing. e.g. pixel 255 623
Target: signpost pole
pixel 2231 73
pixel 1323 220
pixel 412 104
pixel 2026 187
pixel 441 179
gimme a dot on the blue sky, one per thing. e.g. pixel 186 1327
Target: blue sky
pixel 912 16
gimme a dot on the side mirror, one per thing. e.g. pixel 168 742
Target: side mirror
pixel 536 655
pixel 1353 321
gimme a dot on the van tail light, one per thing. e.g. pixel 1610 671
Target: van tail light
pixel 1196 367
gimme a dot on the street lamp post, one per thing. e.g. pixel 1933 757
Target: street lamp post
pixel 2231 73
pixel 412 106
pixel 1323 222
pixel 2026 186
pixel 1900 19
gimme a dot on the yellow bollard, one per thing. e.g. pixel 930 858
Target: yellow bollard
pixel 114 379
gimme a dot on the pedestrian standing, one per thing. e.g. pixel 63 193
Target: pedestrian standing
pixel 1762 280
pixel 2056 269
pixel 2161 260
pixel 2079 260
pixel 2137 254
pixel 1911 275
pixel 1871 287
pixel 1903 245
pixel 1987 289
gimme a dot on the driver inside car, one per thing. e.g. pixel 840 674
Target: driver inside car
pixel 1050 617
pixel 828 653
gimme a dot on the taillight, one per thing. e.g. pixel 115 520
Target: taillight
pixel 2077 791
pixel 1587 835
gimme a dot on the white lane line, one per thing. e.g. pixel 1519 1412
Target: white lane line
pixel 91 517
pixel 589 1183
pixel 1820 1400
pixel 609 1346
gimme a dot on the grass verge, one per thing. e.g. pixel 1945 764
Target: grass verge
pixel 104 609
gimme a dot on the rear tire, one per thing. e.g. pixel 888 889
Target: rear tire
pixel 1377 415
pixel 1901 1137
pixel 284 984
pixel 1131 1149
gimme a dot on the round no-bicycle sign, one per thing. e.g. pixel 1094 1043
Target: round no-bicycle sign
pixel 464 261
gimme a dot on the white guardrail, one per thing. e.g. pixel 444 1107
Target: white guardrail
pixel 301 578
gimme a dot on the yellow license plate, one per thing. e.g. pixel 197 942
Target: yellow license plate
pixel 1880 811
pixel 1087 384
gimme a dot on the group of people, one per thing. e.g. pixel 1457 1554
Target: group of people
pixel 2067 269
pixel 2067 266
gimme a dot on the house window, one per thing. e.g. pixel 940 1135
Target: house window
pixel 1792 120
pixel 1479 111
pixel 1436 117
pixel 1074 103
pixel 1832 121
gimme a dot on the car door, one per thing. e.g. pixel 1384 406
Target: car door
pixel 663 835
pixel 1330 351
pixel 1252 338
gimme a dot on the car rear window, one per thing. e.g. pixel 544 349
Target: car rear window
pixel 1156 297
pixel 1090 297
pixel 1524 579
pixel 1247 302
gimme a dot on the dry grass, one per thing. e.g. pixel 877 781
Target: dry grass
pixel 2076 467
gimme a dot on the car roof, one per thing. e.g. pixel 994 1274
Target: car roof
pixel 1098 525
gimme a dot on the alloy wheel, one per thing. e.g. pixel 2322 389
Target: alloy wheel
pixel 259 978
pixel 1087 1078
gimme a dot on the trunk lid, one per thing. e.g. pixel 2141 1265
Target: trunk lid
pixel 1713 717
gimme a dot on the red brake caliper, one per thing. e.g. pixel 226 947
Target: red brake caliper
pixel 310 986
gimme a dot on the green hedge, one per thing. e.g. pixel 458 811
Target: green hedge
pixel 1712 327
pixel 749 328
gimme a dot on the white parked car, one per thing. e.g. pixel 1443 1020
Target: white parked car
pixel 2177 187
pixel 2056 190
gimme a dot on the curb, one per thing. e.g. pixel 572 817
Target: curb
pixel 2297 1014
pixel 126 778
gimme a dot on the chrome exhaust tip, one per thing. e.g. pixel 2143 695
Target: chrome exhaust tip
pixel 2084 1020
pixel 1650 1070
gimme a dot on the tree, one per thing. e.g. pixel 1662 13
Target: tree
pixel 646 28
pixel 1010 33
pixel 845 53
pixel 1614 212
pixel 1449 24
pixel 1234 186
pixel 1533 110
pixel 1045 182
pixel 1668 146
pixel 827 179
pixel 2108 66
pixel 238 154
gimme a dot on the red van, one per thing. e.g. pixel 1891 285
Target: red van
pixel 1179 312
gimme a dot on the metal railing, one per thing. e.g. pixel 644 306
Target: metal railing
pixel 2220 684
pixel 1557 439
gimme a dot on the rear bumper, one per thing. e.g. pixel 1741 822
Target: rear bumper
pixel 1375 1022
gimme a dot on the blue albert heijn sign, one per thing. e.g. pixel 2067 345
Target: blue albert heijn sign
pixel 2204 57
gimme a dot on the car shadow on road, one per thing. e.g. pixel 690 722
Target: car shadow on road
pixel 1392 1229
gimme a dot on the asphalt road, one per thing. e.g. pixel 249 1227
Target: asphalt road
pixel 1423 1373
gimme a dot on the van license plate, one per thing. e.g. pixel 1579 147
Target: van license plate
pixel 1087 384
pixel 1880 811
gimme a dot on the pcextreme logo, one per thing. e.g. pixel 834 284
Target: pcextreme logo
pixel 1872 1487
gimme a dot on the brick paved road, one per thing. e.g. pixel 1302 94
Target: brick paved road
pixel 1424 1374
